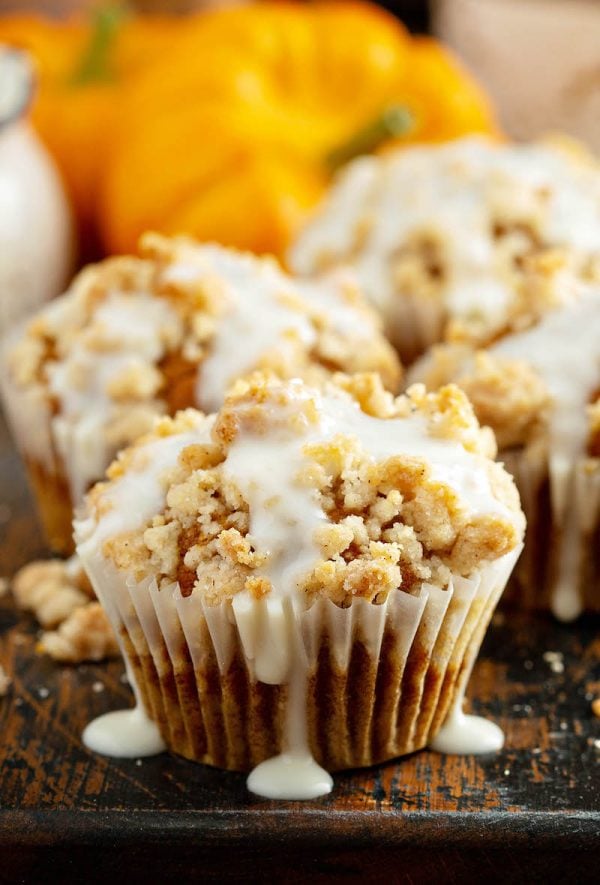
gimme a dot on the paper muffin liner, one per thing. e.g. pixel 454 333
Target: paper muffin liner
pixel 414 323
pixel 376 681
pixel 29 414
pixel 559 569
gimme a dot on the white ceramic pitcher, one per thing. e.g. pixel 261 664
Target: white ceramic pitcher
pixel 36 235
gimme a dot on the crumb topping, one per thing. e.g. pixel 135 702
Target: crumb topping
pixel 51 590
pixel 60 597
pixel 85 635
pixel 5 682
pixel 541 383
pixel 137 337
pixel 458 226
pixel 338 492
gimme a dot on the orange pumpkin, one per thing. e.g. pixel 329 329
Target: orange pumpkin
pixel 229 138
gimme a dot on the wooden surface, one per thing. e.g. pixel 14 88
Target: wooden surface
pixel 530 813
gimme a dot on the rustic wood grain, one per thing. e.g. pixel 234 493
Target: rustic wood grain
pixel 528 813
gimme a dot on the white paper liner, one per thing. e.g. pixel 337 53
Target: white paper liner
pixel 414 323
pixel 29 415
pixel 560 566
pixel 215 678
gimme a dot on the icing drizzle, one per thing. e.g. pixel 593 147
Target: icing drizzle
pixel 463 733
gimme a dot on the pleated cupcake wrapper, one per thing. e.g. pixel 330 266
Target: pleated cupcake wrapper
pixel 562 546
pixel 378 680
pixel 414 323
pixel 29 416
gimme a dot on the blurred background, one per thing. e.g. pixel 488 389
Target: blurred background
pixel 415 13
pixel 228 121
pixel 539 59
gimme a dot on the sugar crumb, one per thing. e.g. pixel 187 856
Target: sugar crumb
pixel 5 681
pixel 555 661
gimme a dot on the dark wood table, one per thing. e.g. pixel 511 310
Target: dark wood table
pixel 529 814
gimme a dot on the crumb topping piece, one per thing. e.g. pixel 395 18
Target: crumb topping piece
pixel 51 590
pixel 60 597
pixel 5 682
pixel 457 225
pixel 137 337
pixel 341 491
pixel 85 635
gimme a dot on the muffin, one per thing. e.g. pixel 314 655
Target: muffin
pixel 538 387
pixel 438 234
pixel 137 337
pixel 305 577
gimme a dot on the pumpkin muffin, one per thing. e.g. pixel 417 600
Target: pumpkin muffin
pixel 538 387
pixel 137 337
pixel 440 235
pixel 309 572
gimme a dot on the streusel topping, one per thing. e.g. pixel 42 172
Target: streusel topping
pixel 456 225
pixel 539 383
pixel 139 337
pixel 341 491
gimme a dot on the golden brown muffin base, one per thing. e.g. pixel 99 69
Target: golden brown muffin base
pixel 53 502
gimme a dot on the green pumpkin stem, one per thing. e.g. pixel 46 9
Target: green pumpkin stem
pixel 394 121
pixel 95 64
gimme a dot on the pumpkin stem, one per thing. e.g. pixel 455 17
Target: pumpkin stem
pixel 95 62
pixel 393 121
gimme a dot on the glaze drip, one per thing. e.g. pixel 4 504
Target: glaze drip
pixel 126 734
pixel 464 734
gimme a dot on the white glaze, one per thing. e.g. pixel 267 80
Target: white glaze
pixel 463 733
pixel 128 734
pixel 256 318
pixel 284 514
pixel 264 309
pixel 293 774
pixel 125 734
pixel 139 493
pixel 454 190
pixel 564 350
pixel 135 327
pixel 290 776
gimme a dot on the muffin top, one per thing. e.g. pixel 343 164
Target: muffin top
pixel 540 381
pixel 456 223
pixel 139 336
pixel 339 492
